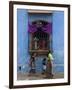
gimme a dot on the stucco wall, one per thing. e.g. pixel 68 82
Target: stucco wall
pixel 22 45
pixel 58 38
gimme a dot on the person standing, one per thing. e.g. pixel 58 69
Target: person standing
pixel 44 66
pixel 49 65
pixel 32 63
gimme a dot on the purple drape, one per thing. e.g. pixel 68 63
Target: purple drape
pixel 46 28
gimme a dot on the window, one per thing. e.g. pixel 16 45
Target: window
pixel 40 38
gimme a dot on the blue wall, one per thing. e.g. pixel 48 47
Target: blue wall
pixel 34 17
pixel 58 38
pixel 22 39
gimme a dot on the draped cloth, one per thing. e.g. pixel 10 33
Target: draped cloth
pixel 45 28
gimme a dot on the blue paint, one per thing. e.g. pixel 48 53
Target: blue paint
pixel 58 69
pixel 58 30
pixel 34 17
pixel 58 39
pixel 22 39
pixel 39 64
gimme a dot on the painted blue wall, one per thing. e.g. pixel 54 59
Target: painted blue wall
pixel 34 17
pixel 22 39
pixel 58 38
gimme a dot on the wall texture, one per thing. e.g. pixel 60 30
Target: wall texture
pixel 22 27
pixel 58 38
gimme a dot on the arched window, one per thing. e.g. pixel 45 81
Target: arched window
pixel 40 37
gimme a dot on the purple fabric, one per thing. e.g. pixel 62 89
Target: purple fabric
pixel 46 28
pixel 32 28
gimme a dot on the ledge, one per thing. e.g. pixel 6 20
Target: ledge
pixel 39 51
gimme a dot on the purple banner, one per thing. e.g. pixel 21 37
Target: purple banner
pixel 45 28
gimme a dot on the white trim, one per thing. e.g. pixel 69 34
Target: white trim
pixel 29 82
pixel 40 11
